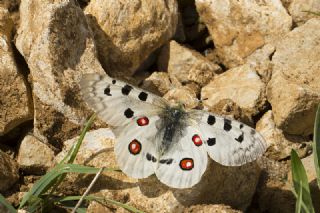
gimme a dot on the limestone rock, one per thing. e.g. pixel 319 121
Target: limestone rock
pixel 127 32
pixel 238 28
pixel 298 10
pixel 279 143
pixel 238 91
pixel 57 45
pixel 149 194
pixel 9 172
pixel 182 95
pixel 34 157
pixel 16 101
pixel 210 208
pixel 294 89
pixel 158 82
pixel 185 64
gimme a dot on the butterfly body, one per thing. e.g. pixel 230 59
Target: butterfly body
pixel 155 137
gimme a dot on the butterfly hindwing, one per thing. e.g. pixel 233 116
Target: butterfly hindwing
pixel 183 165
pixel 229 142
pixel 116 102
pixel 135 148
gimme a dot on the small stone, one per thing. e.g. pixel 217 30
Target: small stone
pixel 9 172
pixel 300 10
pixel 238 91
pixel 34 157
pixel 127 32
pixel 182 95
pixel 158 82
pixel 279 143
pixel 239 28
pixel 294 89
pixel 186 65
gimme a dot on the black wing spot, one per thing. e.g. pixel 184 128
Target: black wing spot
pixel 211 120
pixel 211 141
pixel 227 125
pixel 240 138
pixel 143 96
pixel 126 89
pixel 151 158
pixel 128 113
pixel 241 126
pixel 107 91
pixel 114 81
pixel 166 161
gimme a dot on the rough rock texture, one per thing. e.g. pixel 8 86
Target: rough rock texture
pixel 34 157
pixel 238 28
pixel 96 207
pixel 238 91
pixel 298 8
pixel 9 172
pixel 274 192
pixel 279 143
pixel 16 101
pixel 294 89
pixel 158 82
pixel 182 95
pixel 151 195
pixel 56 42
pixel 185 64
pixel 128 31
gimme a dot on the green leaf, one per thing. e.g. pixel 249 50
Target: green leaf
pixel 5 203
pixel 300 181
pixel 299 200
pixel 316 145
pixel 46 181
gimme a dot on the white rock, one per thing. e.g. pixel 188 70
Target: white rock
pixel 239 27
pixel 34 157
pixel 294 89
pixel 58 47
pixel 238 91
pixel 299 10
pixel 185 64
pixel 127 31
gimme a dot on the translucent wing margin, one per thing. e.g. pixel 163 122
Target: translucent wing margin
pixel 116 102
pixel 229 142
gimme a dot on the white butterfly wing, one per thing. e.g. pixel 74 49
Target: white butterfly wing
pixel 229 142
pixel 116 102
pixel 135 148
pixel 184 164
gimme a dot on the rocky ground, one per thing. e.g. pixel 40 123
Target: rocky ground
pixel 254 61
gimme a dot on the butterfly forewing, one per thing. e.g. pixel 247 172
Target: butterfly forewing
pixel 116 102
pixel 229 142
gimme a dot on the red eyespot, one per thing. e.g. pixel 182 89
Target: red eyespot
pixel 134 147
pixel 186 164
pixel 197 140
pixel 143 121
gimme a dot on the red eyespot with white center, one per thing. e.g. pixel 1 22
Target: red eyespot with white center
pixel 143 121
pixel 186 164
pixel 134 147
pixel 197 140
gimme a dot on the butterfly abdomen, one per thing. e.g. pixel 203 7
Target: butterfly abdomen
pixel 172 127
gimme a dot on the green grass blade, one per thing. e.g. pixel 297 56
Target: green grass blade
pixel 300 180
pixel 316 145
pixel 46 181
pixel 71 156
pixel 5 203
pixel 299 200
